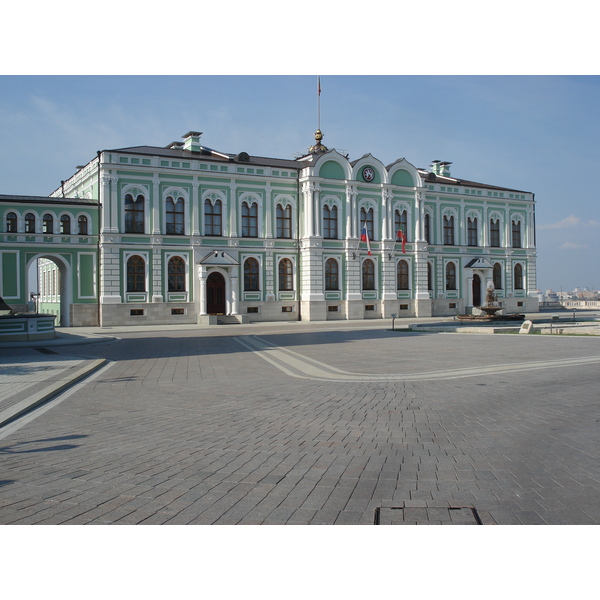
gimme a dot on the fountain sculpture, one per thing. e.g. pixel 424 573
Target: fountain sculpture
pixel 490 308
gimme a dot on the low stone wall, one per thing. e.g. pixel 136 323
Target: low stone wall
pixel 24 328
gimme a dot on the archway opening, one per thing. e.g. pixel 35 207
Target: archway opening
pixel 476 290
pixel 47 288
pixel 215 294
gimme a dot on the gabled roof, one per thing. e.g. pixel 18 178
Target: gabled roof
pixel 218 259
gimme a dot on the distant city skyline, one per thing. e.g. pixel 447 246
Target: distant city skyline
pixel 531 133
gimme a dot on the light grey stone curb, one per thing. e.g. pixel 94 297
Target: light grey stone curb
pixel 19 409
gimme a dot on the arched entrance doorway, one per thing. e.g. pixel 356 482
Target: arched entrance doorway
pixel 48 285
pixel 215 294
pixel 476 290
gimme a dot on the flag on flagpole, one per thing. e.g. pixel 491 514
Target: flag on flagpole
pixel 364 237
pixel 403 239
pixel 319 84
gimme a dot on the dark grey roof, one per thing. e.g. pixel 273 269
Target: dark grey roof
pixel 45 200
pixel 206 155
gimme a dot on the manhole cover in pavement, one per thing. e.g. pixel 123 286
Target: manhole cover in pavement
pixel 425 515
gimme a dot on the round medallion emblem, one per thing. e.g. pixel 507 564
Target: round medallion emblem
pixel 368 174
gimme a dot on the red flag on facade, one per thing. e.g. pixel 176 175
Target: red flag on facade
pixel 403 239
pixel 364 237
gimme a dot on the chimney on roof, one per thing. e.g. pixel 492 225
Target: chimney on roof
pixel 440 168
pixel 191 141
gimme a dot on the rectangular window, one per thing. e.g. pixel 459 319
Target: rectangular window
pixel 370 307
pixel 252 309
pixel 137 312
pixel 495 233
pixel 449 231
pixel 286 309
pixel 472 232
pixel 178 311
pixel 404 307
pixel 333 308
pixel 284 221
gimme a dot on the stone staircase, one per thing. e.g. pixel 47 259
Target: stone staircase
pixel 227 320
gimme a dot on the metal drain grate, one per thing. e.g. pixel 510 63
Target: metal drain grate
pixel 426 515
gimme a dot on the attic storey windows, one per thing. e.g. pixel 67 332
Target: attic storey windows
pixel 134 214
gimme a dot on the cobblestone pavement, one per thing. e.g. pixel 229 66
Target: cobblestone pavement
pixel 313 425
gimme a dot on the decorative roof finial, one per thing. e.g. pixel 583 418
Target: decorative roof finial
pixel 318 147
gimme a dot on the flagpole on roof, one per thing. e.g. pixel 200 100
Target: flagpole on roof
pixel 318 102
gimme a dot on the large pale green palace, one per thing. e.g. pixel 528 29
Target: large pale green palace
pixel 188 234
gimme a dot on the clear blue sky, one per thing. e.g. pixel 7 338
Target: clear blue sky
pixel 447 81
pixel 533 133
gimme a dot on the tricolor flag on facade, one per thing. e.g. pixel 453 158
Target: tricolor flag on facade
pixel 403 239
pixel 364 237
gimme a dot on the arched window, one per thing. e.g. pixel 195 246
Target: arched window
pixel 518 277
pixel 286 275
pixel 472 232
pixel 11 222
pixel 368 274
pixel 29 223
pixel 450 276
pixel 331 274
pixel 401 223
pixel 497 274
pixel 495 233
pixel 249 219
pixel 251 275
pixel 448 231
pixel 284 221
pixel 429 277
pixel 330 222
pixel 516 234
pixel 428 228
pixel 65 225
pixel 136 274
pixel 82 225
pixel 213 217
pixel 366 220
pixel 402 275
pixel 175 216
pixel 48 223
pixel 134 214
pixel 176 269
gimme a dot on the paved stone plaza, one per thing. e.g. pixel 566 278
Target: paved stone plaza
pixel 311 424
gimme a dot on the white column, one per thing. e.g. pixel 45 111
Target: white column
pixel 202 278
pixel 105 202
pixel 233 212
pixel 155 224
pixel 269 212
pixel 233 279
pixel 195 210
